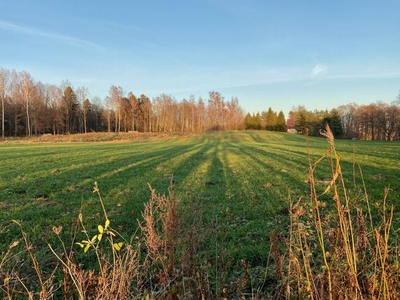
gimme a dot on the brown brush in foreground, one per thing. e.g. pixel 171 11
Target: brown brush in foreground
pixel 332 251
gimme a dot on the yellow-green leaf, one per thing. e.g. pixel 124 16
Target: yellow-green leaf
pixel 16 222
pixel 118 246
pixel 86 248
pixel 107 223
pixel 100 228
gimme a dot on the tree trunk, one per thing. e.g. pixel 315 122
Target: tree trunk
pixel 28 123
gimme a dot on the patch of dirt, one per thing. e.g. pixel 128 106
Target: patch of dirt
pixel 4 205
pixel 123 192
pixel 41 197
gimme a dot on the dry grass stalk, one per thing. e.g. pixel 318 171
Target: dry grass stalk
pixel 160 229
pixel 46 285
pixel 341 256
pixel 276 255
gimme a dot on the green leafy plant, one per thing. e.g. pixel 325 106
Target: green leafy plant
pixel 86 244
pixel 102 230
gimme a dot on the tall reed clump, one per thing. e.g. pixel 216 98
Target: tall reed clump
pixel 173 269
pixel 334 249
pixel 160 231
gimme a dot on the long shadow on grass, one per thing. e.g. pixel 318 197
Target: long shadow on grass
pixel 55 199
pixel 232 210
pixel 285 173
pixel 122 182
pixel 234 220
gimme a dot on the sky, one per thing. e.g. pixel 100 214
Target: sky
pixel 278 54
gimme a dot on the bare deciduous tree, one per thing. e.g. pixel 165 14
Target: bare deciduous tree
pixel 30 107
pixel 4 82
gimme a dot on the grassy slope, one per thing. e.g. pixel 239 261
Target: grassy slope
pixel 232 186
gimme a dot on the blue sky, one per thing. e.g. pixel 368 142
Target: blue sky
pixel 279 54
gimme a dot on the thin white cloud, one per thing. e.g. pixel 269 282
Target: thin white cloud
pixel 319 69
pixel 214 79
pixel 378 75
pixel 5 25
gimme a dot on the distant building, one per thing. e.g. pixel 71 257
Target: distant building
pixel 290 124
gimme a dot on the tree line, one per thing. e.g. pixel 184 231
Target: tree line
pixel 312 122
pixel 30 107
pixel 375 121
pixel 266 120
